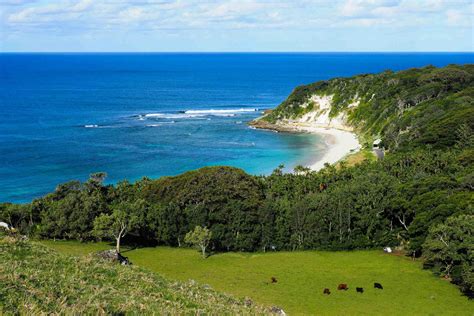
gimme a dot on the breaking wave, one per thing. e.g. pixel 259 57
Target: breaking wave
pixel 217 112
pixel 195 114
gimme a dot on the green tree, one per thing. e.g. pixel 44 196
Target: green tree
pixel 465 136
pixel 199 237
pixel 450 245
pixel 116 225
pixel 18 216
pixel 299 169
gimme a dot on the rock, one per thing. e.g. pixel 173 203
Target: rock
pixel 277 310
pixel 112 255
pixel 107 254
pixel 248 302
pixel 262 124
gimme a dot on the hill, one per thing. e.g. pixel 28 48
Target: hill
pixel 37 280
pixel 406 109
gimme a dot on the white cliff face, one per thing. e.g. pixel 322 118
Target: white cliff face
pixel 338 135
pixel 319 116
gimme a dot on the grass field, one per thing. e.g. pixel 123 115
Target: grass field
pixel 36 280
pixel 302 276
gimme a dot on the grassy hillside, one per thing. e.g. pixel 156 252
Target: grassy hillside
pixel 37 280
pixel 302 276
pixel 407 108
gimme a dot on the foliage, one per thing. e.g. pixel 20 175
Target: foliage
pixel 449 247
pixel 124 218
pixel 18 216
pixel 69 211
pixel 199 237
pixel 225 200
pixel 36 280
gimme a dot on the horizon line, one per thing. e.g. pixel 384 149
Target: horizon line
pixel 236 52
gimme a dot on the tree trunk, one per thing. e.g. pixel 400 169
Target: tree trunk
pixel 402 221
pixel 203 249
pixel 121 234
pixel 117 245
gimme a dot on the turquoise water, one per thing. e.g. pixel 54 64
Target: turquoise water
pixel 65 116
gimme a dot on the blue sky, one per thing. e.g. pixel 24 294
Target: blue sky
pixel 236 25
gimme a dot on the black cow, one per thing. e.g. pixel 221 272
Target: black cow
pixel 123 260
pixel 326 291
pixel 274 280
pixel 378 286
pixel 360 289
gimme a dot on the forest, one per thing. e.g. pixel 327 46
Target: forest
pixel 417 199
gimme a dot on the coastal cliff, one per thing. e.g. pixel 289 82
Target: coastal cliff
pixel 315 114
pixel 404 109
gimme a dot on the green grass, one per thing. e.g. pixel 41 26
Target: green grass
pixel 354 159
pixel 302 276
pixel 36 280
pixel 75 248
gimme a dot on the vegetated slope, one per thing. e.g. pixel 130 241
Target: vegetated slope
pixel 35 279
pixel 302 276
pixel 406 108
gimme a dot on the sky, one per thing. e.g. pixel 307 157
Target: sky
pixel 235 25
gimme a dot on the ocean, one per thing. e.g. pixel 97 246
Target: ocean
pixel 65 116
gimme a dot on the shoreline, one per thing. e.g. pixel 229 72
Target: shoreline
pixel 340 142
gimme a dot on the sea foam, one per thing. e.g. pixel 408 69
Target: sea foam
pixel 195 114
pixel 217 112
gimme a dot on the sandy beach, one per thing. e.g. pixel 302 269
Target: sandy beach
pixel 340 142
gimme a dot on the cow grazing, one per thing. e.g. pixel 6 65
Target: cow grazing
pixel 378 286
pixel 326 291
pixel 360 289
pixel 274 280
pixel 123 260
pixel 342 286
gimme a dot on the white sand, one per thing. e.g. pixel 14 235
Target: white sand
pixel 340 142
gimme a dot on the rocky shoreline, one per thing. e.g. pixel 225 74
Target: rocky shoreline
pixel 261 124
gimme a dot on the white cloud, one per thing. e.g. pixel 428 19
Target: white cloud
pixel 103 16
pixel 460 18
pixel 16 2
pixel 50 12
pixel 363 8
pixel 404 13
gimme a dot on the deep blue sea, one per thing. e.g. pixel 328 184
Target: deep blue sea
pixel 64 116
